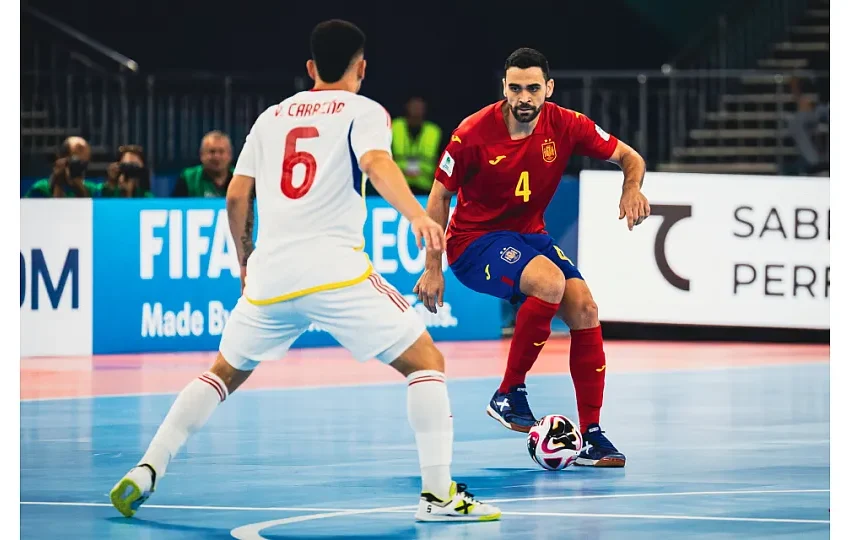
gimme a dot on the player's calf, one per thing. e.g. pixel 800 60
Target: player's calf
pixel 587 369
pixel 429 414
pixel 543 284
pixel 190 411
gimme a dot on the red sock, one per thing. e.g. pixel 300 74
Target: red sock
pixel 533 326
pixel 587 367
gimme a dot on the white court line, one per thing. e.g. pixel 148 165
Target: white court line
pixel 188 507
pixel 252 530
pixel 675 494
pixel 410 507
pixel 651 516
pixel 667 516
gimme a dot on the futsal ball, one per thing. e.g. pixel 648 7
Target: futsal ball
pixel 554 442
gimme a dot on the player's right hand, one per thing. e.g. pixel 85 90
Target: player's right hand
pixel 427 232
pixel 430 288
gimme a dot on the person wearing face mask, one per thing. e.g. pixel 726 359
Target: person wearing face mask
pixel 128 177
pixel 69 173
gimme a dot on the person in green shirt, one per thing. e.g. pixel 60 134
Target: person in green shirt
pixel 69 173
pixel 129 177
pixel 416 145
pixel 213 175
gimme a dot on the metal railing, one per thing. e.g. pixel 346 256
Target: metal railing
pixel 167 114
pixel 673 116
pixel 670 117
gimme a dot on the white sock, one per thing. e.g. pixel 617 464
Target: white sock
pixel 190 411
pixel 430 417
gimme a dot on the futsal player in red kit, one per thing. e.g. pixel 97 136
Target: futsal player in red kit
pixel 505 163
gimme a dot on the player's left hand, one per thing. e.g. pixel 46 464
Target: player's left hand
pixel 428 234
pixel 633 206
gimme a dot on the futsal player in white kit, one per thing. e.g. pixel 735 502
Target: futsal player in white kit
pixel 303 160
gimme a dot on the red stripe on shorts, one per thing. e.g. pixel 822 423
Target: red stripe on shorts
pixel 396 298
pixel 391 291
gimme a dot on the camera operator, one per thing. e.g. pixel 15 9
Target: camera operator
pixel 129 177
pixel 69 173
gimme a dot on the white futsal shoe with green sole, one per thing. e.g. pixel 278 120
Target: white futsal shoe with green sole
pixel 460 506
pixel 133 490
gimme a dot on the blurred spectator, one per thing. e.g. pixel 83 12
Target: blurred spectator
pixel 804 127
pixel 129 176
pixel 416 145
pixel 69 173
pixel 212 176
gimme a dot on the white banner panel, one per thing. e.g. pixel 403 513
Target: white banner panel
pixel 718 250
pixel 56 277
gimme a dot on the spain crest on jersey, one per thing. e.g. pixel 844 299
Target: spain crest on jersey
pixel 549 151
pixel 510 255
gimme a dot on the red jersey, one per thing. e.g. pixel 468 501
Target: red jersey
pixel 504 184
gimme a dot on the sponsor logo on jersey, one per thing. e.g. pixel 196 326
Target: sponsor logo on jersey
pixel 456 139
pixel 550 154
pixel 602 133
pixel 497 159
pixel 447 164
pixel 510 255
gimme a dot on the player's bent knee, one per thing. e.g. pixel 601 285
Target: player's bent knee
pixel 543 279
pixel 422 355
pixel 587 315
pixel 580 315
pixel 578 309
pixel 232 377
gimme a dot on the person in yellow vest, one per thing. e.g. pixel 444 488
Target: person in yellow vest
pixel 416 146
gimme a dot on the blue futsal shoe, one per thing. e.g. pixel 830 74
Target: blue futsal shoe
pixel 511 409
pixel 598 451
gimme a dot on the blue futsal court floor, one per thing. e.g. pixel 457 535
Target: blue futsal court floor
pixel 732 452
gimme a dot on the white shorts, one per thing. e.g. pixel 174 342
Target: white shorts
pixel 371 319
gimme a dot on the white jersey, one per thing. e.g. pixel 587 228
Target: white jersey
pixel 304 154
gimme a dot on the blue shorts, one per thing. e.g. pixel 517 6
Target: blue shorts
pixel 493 263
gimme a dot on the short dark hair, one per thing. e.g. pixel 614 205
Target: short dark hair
pixel 525 57
pixel 333 44
pixel 132 149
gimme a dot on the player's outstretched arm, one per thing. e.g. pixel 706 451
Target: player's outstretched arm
pixel 633 204
pixel 240 215
pixel 431 284
pixel 439 204
pixel 390 183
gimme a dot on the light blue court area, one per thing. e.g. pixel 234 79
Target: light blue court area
pixel 729 453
